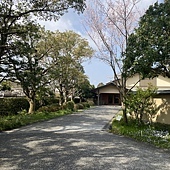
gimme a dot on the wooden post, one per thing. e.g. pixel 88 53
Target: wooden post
pixel 98 98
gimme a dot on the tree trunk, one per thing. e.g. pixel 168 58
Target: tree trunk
pixel 32 105
pixel 123 98
pixel 125 114
pixel 61 98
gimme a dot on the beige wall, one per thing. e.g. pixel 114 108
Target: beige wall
pixel 132 81
pixel 163 115
pixel 163 82
pixel 159 82
pixel 147 81
pixel 108 89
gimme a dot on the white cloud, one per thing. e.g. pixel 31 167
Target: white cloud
pixel 145 3
pixel 62 25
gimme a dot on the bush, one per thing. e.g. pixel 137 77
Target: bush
pixel 46 101
pixel 141 104
pixel 69 105
pixel 91 103
pixel 11 106
pixel 86 105
pixel 49 108
pixel 79 106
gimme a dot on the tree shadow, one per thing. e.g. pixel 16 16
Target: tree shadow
pixel 33 147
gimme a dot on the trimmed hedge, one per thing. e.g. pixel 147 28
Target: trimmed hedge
pixel 11 106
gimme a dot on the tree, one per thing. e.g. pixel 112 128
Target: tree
pixel 148 50
pixel 141 104
pixel 25 64
pixel 84 90
pixel 66 52
pixel 109 24
pixel 15 14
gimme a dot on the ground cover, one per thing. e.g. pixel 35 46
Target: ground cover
pixel 156 134
pixel 22 119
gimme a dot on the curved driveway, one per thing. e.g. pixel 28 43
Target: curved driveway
pixel 77 142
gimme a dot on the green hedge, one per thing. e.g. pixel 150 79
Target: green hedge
pixel 79 106
pixel 49 108
pixel 91 103
pixel 11 106
pixel 69 105
pixel 86 104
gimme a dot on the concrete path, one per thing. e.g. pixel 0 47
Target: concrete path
pixel 77 142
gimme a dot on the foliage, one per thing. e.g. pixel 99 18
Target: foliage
pixel 140 103
pixel 148 51
pixel 18 34
pixel 84 90
pixel 5 86
pixel 15 14
pixel 91 103
pixel 79 106
pixel 49 108
pixel 11 106
pixel 64 53
pixel 16 121
pixel 46 96
pixel 86 104
pixel 48 101
pixel 151 134
pixel 25 65
pixel 69 105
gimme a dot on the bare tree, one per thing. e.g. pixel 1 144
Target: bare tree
pixel 109 24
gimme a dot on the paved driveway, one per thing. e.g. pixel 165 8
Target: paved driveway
pixel 77 142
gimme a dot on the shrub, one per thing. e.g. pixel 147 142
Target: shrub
pixel 69 105
pixel 79 106
pixel 11 106
pixel 91 103
pixel 49 108
pixel 141 104
pixel 46 101
pixel 86 104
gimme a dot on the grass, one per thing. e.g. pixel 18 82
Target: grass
pixel 157 134
pixel 22 119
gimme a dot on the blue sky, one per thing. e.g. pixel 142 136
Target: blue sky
pixel 96 70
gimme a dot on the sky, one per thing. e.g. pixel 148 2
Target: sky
pixel 96 70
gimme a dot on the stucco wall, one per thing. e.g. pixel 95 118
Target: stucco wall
pixel 163 115
pixel 132 81
pixel 163 82
pixel 160 82
pixel 144 83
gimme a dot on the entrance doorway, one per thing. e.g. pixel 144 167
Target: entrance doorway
pixel 110 99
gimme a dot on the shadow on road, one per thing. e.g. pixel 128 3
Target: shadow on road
pixel 78 149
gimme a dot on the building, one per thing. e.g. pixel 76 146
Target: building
pixel 109 94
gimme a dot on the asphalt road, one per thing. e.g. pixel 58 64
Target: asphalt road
pixel 77 142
